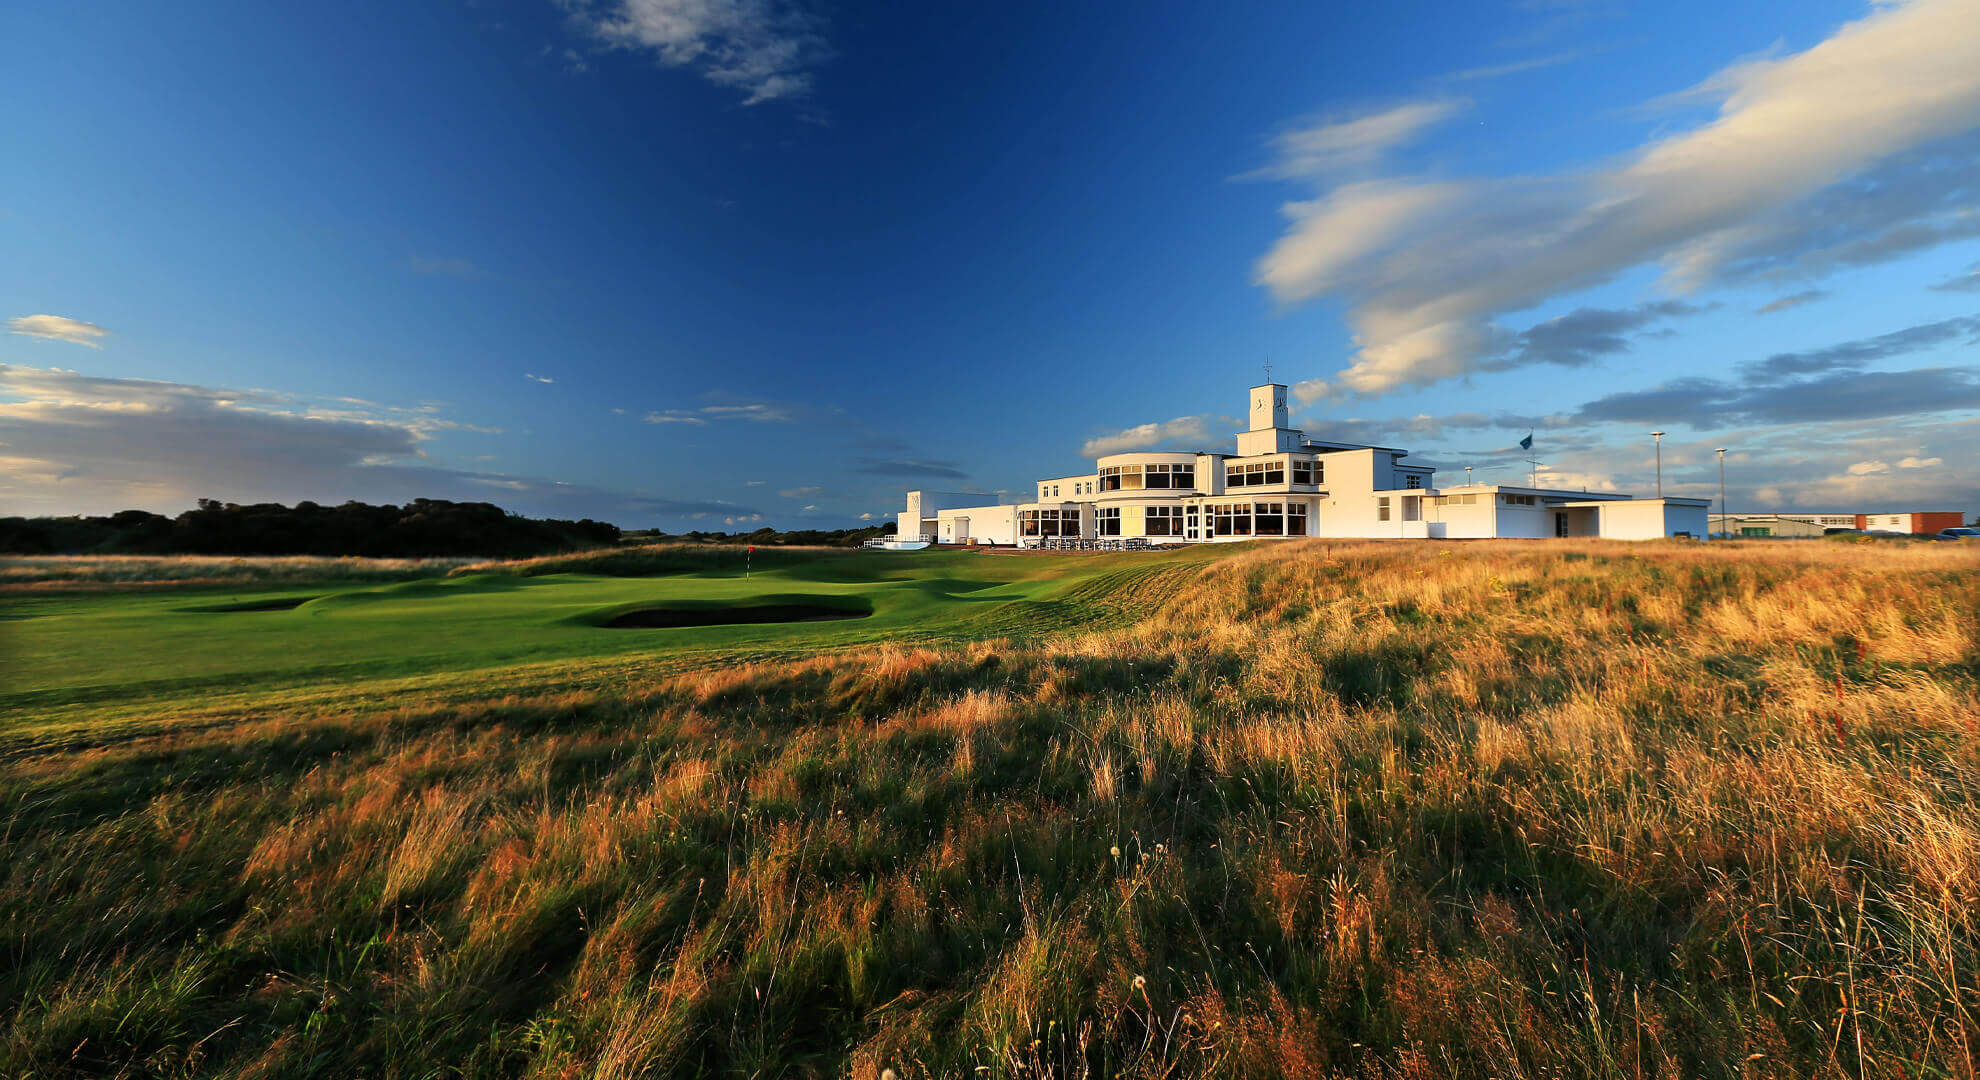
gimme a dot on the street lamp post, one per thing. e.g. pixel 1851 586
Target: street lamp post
pixel 1659 436
pixel 1725 517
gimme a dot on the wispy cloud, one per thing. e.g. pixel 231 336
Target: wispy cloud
pixel 911 468
pixel 1333 146
pixel 1967 282
pixel 759 412
pixel 765 49
pixel 1199 432
pixel 1517 67
pixel 1872 125
pixel 58 328
pixel 1793 300
pixel 538 378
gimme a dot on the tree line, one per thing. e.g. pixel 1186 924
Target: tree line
pixel 420 528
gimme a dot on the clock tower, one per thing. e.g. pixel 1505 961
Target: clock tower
pixel 1269 419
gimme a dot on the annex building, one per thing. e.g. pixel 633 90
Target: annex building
pixel 1280 483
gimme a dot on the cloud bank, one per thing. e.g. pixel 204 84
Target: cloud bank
pixel 1853 151
pixel 76 443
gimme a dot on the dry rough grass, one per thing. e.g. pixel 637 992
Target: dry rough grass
pixel 1337 810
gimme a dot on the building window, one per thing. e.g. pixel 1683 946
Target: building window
pixel 1304 472
pixel 1413 481
pixel 1253 473
pixel 1412 508
pixel 1268 519
pixel 1048 523
pixel 1382 508
pixel 1120 478
pixel 1519 500
pixel 1296 519
pixel 1231 520
pixel 1109 518
pixel 1162 521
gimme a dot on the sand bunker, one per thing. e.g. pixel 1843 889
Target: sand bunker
pixel 649 618
pixel 281 603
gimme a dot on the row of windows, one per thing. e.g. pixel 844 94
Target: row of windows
pixel 1051 491
pixel 1248 473
pixel 1259 473
pixel 1140 477
pixel 1155 520
pixel 1472 499
pixel 1048 523
pixel 1258 519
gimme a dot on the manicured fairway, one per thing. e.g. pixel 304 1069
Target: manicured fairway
pixel 119 653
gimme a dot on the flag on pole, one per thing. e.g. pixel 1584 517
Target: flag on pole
pixel 1526 443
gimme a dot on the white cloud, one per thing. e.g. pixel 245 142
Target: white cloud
pixel 866 517
pixel 1426 267
pixel 1195 431
pixel 763 48
pixel 76 443
pixel 58 328
pixel 1869 468
pixel 538 378
pixel 759 412
pixel 1331 147
pixel 1920 463
pixel 800 492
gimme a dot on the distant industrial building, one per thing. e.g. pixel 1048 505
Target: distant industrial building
pixel 1916 523
pixel 1789 525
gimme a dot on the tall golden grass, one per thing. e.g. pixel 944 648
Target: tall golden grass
pixel 1337 810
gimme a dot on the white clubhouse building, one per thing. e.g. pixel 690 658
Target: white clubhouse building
pixel 1281 484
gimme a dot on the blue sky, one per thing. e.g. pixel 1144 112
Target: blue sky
pixel 688 264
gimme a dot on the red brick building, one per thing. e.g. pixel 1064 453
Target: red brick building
pixel 1921 523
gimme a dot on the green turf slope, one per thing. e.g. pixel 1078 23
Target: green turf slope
pixel 122 654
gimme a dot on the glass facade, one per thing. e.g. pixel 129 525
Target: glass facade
pixel 1048 523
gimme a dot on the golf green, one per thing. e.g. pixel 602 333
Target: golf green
pixel 127 651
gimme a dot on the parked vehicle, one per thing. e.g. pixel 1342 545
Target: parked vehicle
pixel 1958 534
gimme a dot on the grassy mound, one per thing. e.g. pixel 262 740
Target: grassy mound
pixel 1356 810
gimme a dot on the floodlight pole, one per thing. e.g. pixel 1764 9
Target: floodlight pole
pixel 1725 517
pixel 1467 476
pixel 1659 436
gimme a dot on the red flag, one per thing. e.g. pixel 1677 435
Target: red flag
pixel 752 549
